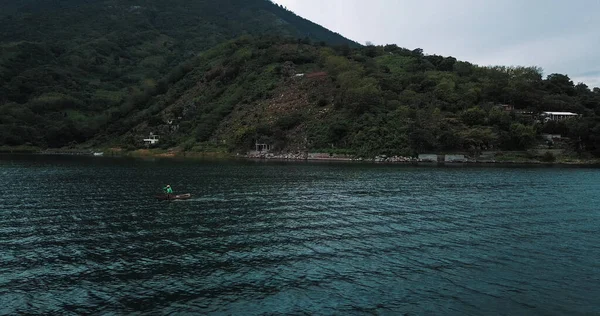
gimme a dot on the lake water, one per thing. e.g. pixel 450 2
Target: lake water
pixel 84 235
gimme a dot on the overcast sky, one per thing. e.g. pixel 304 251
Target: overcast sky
pixel 558 35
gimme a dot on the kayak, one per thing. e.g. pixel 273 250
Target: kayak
pixel 174 196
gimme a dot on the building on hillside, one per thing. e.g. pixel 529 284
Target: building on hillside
pixel 557 116
pixel 151 140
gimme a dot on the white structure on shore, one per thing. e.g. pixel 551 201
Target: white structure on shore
pixel 428 157
pixel 152 140
pixel 262 147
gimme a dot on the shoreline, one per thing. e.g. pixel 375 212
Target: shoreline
pixel 312 157
pixel 439 163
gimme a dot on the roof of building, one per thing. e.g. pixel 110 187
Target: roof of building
pixel 561 113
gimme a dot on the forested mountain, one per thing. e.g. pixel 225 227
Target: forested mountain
pixel 226 74
pixel 64 62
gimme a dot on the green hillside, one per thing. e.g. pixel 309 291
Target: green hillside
pixel 366 101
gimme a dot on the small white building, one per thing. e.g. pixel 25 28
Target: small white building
pixel 262 147
pixel 558 116
pixel 152 140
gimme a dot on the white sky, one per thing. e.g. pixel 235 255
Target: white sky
pixel 558 35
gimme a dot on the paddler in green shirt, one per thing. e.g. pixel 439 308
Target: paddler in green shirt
pixel 168 189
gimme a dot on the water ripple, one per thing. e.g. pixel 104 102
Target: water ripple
pixel 82 235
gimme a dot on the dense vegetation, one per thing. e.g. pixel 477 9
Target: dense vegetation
pixel 68 68
pixel 375 100
pixel 113 88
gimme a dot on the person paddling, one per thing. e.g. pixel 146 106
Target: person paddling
pixel 168 189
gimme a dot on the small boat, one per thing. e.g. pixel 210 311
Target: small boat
pixel 165 197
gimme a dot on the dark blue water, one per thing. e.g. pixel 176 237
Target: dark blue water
pixel 84 235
